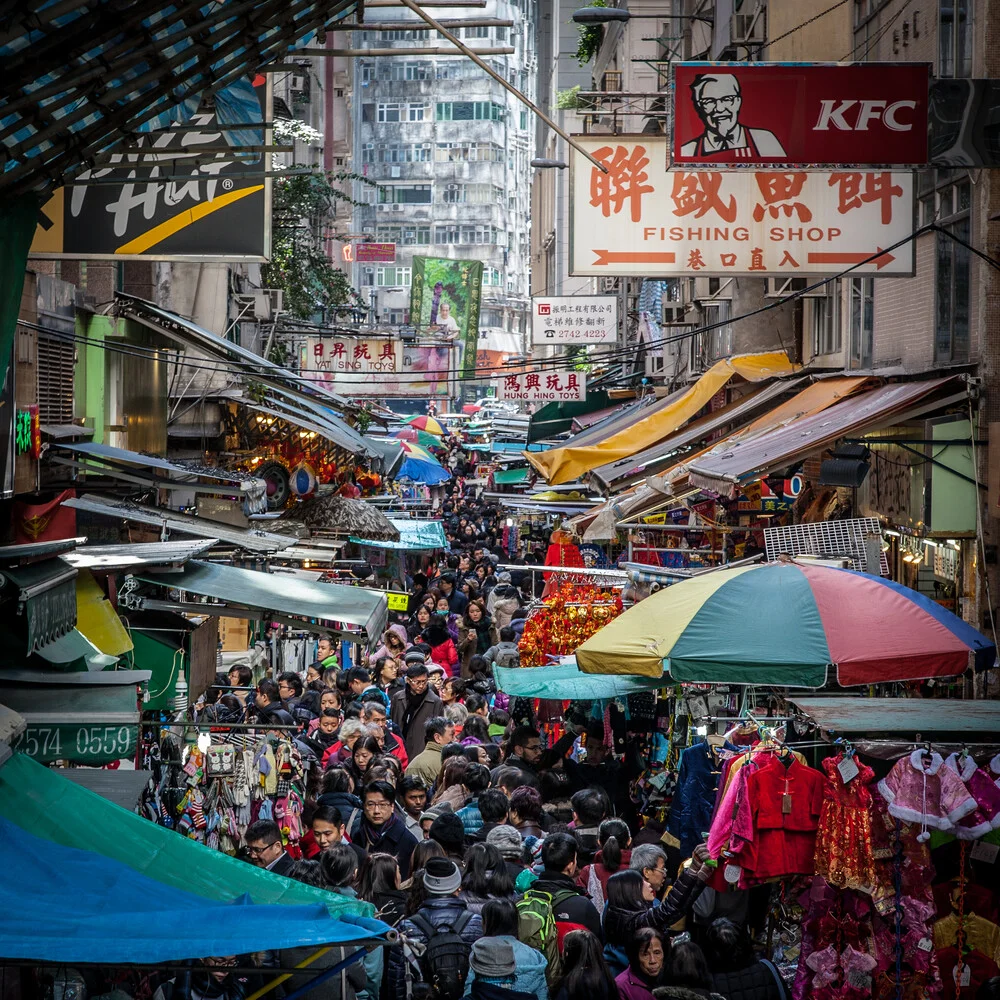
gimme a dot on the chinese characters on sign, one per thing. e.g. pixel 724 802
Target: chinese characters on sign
pixel 800 114
pixel 574 319
pixel 27 432
pixel 726 222
pixel 543 386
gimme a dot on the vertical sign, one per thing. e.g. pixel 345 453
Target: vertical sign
pixel 444 303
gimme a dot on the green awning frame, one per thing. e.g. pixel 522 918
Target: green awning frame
pixel 46 595
pixel 557 418
pixel 565 682
pixel 414 536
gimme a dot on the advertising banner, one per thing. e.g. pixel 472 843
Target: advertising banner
pixel 543 386
pixel 643 220
pixel 574 319
pixel 807 113
pixel 201 204
pixel 370 253
pixel 444 302
pixel 378 367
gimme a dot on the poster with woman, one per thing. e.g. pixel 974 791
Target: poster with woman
pixel 444 304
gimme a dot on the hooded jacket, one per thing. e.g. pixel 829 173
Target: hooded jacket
pixel 503 601
pixel 574 911
pixel 620 925
pixel 530 975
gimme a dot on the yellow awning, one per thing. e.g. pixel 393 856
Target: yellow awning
pixel 97 620
pixel 563 465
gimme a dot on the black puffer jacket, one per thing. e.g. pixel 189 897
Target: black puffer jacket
pixel 755 982
pixel 620 925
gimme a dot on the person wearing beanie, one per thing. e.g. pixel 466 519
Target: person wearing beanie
pixel 508 842
pixel 493 970
pixel 448 830
pixel 442 908
pixel 501 966
pixel 413 707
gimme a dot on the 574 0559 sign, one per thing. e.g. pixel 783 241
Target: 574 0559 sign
pixel 83 744
pixel 641 219
pixel 543 386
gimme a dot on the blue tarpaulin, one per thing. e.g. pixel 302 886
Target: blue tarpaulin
pixel 564 682
pixel 68 905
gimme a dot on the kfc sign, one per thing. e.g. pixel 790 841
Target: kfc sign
pixel 807 114
pixel 543 386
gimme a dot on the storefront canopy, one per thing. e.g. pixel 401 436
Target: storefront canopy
pixel 787 624
pixel 557 418
pixel 362 611
pixel 44 593
pixel 414 536
pixel 564 681
pixel 115 558
pixel 561 465
pixel 926 716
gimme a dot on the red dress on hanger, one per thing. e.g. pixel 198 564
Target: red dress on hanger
pixel 844 839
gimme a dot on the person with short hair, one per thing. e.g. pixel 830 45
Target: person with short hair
pixel 526 811
pixel 265 847
pixel 686 974
pixel 411 801
pixel 413 707
pixel 426 765
pixel 325 652
pixel 374 713
pixel 651 862
pixel 477 781
pixel 736 971
pixel 590 808
pixel 525 750
pixel 494 809
pixel 646 954
pixel 380 829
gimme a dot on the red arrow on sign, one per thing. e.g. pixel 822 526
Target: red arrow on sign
pixel 853 258
pixel 616 257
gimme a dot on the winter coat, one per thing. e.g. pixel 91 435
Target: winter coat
pixel 530 975
pixel 486 636
pixel 392 838
pixel 685 993
pixel 475 902
pixel 620 925
pixel 437 911
pixel 390 906
pixel 593 879
pixel 427 764
pixel 383 650
pixel 631 987
pixel 576 910
pixel 445 654
pixel 755 982
pixel 414 739
pixel 503 654
pixel 503 601
pixel 348 804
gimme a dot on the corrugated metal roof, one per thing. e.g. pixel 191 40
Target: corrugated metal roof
pixel 109 558
pixel 252 539
pixel 731 462
pixel 871 716
pixel 414 536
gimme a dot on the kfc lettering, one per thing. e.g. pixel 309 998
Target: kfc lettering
pixel 801 114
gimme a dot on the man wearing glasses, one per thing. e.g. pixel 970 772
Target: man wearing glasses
pixel 265 849
pixel 718 100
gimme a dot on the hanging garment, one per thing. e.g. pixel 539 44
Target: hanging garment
pixel 977 782
pixel 694 799
pixel 844 838
pixel 920 789
pixel 979 933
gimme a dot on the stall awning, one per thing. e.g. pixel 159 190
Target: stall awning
pixel 564 681
pixel 251 539
pixel 414 536
pixel 730 462
pixel 129 558
pixel 363 610
pixel 97 620
pixel 871 716
pixel 510 477
pixel 46 595
pixel 557 418
pixel 560 465
pixel 74 651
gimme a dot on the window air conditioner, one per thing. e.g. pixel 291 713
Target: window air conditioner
pixel 398 208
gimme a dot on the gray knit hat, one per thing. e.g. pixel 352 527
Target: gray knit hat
pixel 442 877
pixel 438 809
pixel 493 958
pixel 507 841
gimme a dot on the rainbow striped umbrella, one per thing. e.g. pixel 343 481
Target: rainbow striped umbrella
pixel 424 423
pixel 786 624
pixel 420 466
pixel 414 436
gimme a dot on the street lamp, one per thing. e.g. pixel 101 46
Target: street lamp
pixel 606 15
pixel 541 163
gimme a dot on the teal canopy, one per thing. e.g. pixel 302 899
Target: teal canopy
pixel 413 536
pixel 564 682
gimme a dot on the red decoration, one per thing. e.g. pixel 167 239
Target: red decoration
pixel 570 616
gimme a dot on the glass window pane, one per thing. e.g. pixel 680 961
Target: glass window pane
pixel 942 340
pixel 962 282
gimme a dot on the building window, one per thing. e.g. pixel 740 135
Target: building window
pixel 446 234
pixel 367 72
pixel 398 317
pixel 955 38
pixel 415 112
pixel 478 32
pixel 467 111
pixel 946 198
pixel 392 277
pixel 524 120
pixel 389 112
pixel 491 276
pixel 825 321
pixel 453 194
pixel 368 152
pixel 862 312
pixel 416 236
pixel 387 234
pixel 491 317
pixel 413 194
pixel 718 341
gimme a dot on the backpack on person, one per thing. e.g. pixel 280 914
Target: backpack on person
pixel 536 927
pixel 507 655
pixel 445 962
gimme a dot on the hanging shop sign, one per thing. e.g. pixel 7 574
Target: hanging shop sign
pixel 444 303
pixel 397 601
pixel 800 113
pixel 543 386
pixel 27 431
pixel 643 220
pixel 369 253
pixel 203 203
pixel 574 319
pixel 378 367
pixel 82 744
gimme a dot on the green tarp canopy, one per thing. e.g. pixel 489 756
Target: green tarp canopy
pixel 557 418
pixel 45 804
pixel 564 682
pixel 413 536
pixel 510 477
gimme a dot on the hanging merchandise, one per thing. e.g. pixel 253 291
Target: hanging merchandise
pixel 697 787
pixel 986 816
pixel 844 838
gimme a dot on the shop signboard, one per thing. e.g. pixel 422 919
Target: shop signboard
pixel 203 203
pixel 574 319
pixel 800 113
pixel 82 744
pixel 369 253
pixel 397 601
pixel 543 386
pixel 369 367
pixel 444 303
pixel 642 220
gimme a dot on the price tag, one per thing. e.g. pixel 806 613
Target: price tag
pixel 963 975
pixel 848 768
pixel 786 803
pixel 925 944
pixel 732 873
pixel 981 851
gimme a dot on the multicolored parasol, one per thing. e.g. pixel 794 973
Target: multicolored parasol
pixel 424 423
pixel 786 624
pixel 420 466
pixel 414 436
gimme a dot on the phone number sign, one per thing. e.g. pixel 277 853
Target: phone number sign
pixel 641 219
pixel 79 743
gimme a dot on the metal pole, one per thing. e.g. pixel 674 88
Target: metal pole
pixel 438 27
pixel 501 50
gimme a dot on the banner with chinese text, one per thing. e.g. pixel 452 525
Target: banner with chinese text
pixel 544 386
pixel 643 220
pixel 444 303
pixel 378 367
pixel 574 319
pixel 800 113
